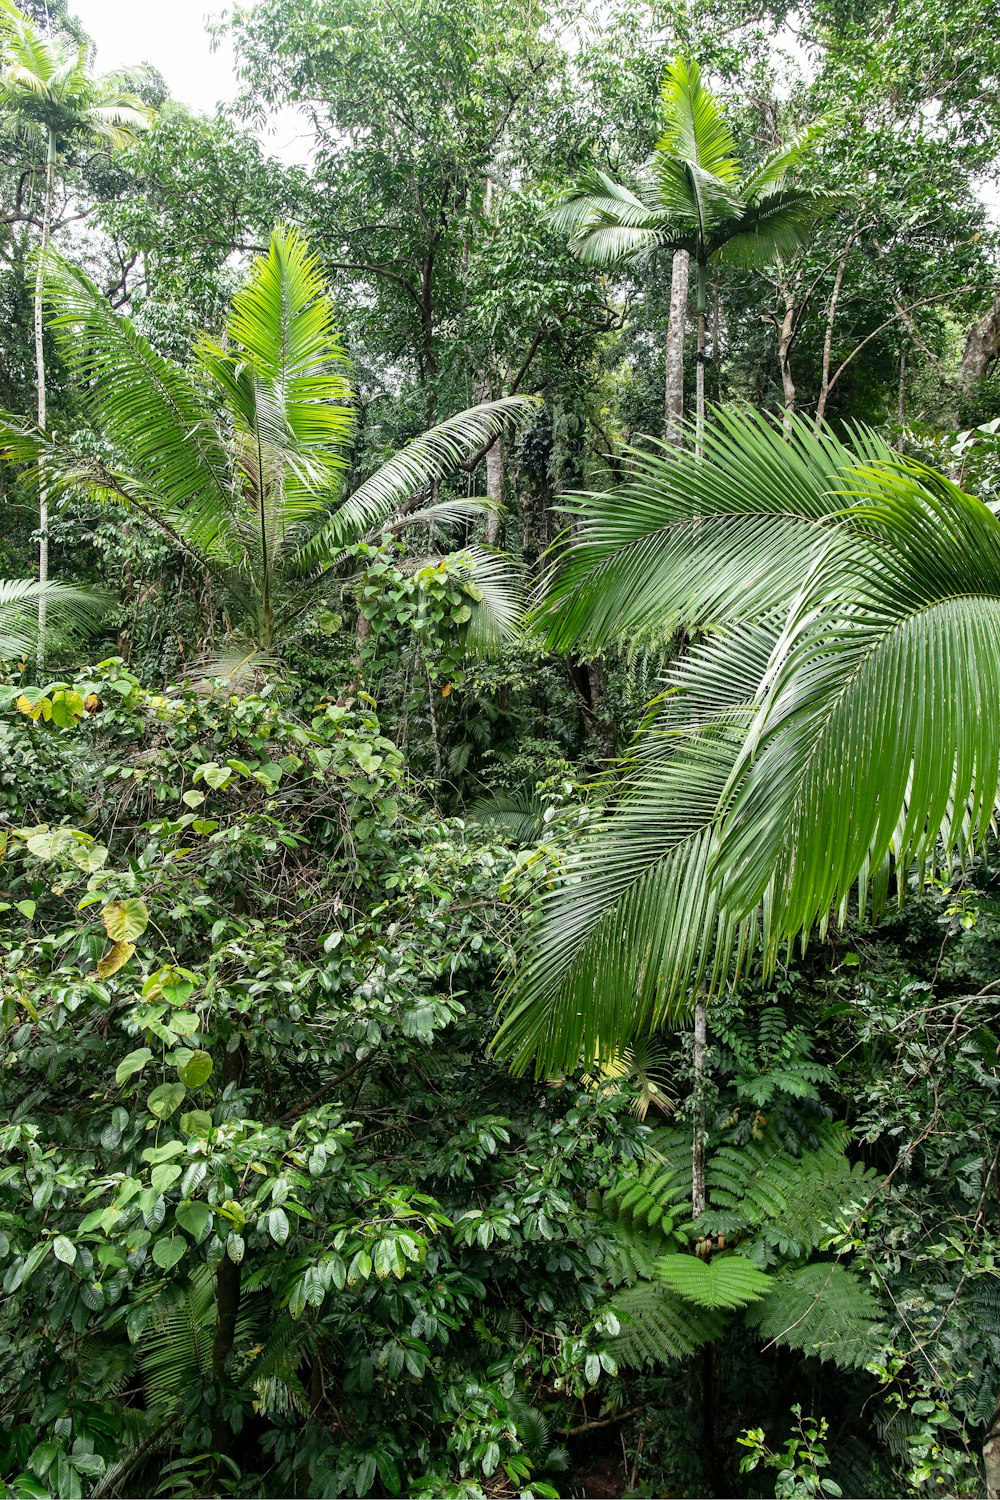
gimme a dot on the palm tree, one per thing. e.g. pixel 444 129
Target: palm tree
pixel 51 100
pixel 241 459
pixel 690 197
pixel 840 722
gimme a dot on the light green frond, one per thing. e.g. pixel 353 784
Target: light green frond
pixel 775 227
pixel 657 1327
pixel 496 589
pixel 824 1310
pixel 725 1282
pixel 875 703
pixel 71 615
pixel 429 456
pixel 770 176
pixel 147 406
pixel 692 540
pixel 694 127
pixel 634 925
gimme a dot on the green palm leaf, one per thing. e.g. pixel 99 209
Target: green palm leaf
pixel 880 701
pixel 687 540
pixel 635 924
pixel 694 127
pixel 72 614
pixel 412 470
pixel 148 407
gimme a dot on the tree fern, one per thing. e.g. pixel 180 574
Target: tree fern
pixel 657 1327
pixel 824 1310
pixel 725 1282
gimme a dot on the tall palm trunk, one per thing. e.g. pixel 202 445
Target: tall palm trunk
pixel 43 498
pixel 673 414
pixel 702 307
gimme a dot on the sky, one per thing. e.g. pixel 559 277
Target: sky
pixel 171 35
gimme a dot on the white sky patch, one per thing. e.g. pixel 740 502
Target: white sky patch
pixel 172 36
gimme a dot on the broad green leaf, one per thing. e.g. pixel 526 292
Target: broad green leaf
pixel 164 1099
pixel 162 1176
pixel 167 1252
pixel 63 1249
pixel 196 1070
pixel 133 1063
pixel 196 1218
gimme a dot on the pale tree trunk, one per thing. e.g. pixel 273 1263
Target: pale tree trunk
pixel 698 1125
pixel 982 346
pixel 901 412
pixel 43 498
pixel 826 384
pixel 786 335
pixel 673 412
pixel 494 489
pixel 699 421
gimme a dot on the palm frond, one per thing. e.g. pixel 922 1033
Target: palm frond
pixel 694 125
pixel 875 703
pixel 428 457
pixel 775 227
pixel 72 614
pixel 147 406
pixel 770 176
pixel 175 1347
pixel 689 540
pixel 634 925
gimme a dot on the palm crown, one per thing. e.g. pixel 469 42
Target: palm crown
pixel 241 458
pixel 47 89
pixel 839 721
pixel 692 195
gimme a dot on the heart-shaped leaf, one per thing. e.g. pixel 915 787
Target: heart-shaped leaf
pixel 195 1070
pixel 164 1100
pixel 167 1252
pixel 134 1063
pixel 125 921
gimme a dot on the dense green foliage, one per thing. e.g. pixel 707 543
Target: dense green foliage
pixel 500 912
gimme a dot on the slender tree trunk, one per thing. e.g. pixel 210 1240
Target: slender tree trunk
pixel 698 1124
pixel 831 315
pixel 982 346
pixel 494 489
pixel 673 415
pixel 699 422
pixel 716 340
pixel 786 333
pixel 43 497
pixel 227 1306
pixel 901 411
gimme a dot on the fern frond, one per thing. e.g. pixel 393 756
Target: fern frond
pixel 657 1327
pixel 175 1349
pixel 824 1310
pixel 724 1282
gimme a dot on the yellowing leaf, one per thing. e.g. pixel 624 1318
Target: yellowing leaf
pixel 124 921
pixel 114 960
